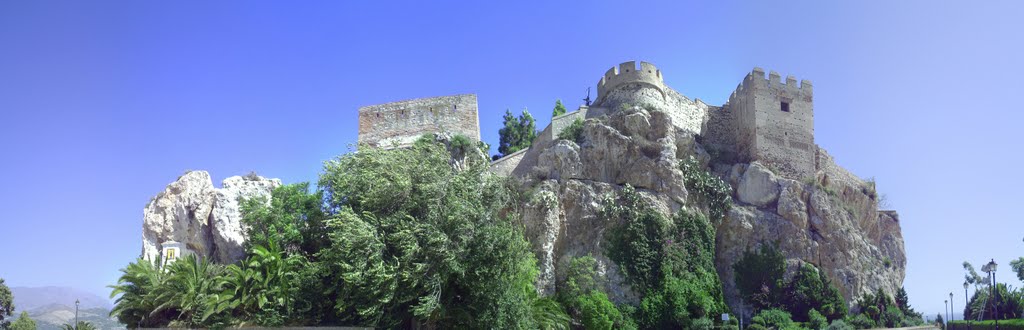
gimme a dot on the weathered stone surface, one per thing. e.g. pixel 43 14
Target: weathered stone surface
pixel 759 186
pixel 791 202
pixel 226 219
pixel 205 219
pixel 633 137
pixel 180 213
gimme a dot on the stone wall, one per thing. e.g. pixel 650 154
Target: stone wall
pixel 525 162
pixel 833 173
pixel 718 135
pixel 781 138
pixel 507 164
pixel 400 123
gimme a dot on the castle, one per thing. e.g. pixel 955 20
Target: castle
pixel 765 119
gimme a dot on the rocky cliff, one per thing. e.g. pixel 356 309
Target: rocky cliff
pixel 205 219
pixel 830 220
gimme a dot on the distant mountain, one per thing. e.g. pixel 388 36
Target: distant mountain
pixel 29 298
pixel 53 306
pixel 54 316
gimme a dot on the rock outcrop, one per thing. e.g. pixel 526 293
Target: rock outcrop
pixel 205 219
pixel 833 224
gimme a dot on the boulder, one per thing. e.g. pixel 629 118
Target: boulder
pixel 759 186
pixel 204 219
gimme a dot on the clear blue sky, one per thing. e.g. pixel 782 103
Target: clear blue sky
pixel 104 103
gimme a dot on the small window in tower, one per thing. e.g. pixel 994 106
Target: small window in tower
pixel 785 106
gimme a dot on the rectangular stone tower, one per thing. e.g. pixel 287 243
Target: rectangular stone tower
pixel 774 123
pixel 399 124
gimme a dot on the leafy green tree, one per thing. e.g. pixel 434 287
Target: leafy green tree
pixel 23 323
pixel 773 319
pixel 1018 267
pixel 816 321
pixel 136 291
pixel 559 109
pixel 903 303
pixel 293 219
pixel 516 133
pixel 415 242
pixel 759 277
pixel 810 290
pixel 6 304
pixel 573 132
pixel 82 325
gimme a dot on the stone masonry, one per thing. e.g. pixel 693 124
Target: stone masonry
pixel 399 124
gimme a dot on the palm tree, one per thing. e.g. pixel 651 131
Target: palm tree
pixel 190 289
pixel 138 285
pixel 265 281
pixel 82 325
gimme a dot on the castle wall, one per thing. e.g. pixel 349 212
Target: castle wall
pixel 783 140
pixel 528 159
pixel 399 124
pixel 833 173
pixel 718 134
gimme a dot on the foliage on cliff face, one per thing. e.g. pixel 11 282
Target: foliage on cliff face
pixel 670 262
pixel 710 189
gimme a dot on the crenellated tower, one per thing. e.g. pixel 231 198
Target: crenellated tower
pixel 628 73
pixel 774 123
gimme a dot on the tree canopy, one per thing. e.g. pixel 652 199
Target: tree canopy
pixel 517 133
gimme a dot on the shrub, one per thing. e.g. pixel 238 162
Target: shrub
pixel 816 321
pixel 702 324
pixel 711 189
pixel 773 318
pixel 573 132
pixel 597 312
pixel 840 325
pixel 862 321
pixel 759 276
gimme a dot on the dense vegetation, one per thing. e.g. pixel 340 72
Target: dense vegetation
pixel 6 304
pixel 573 132
pixel 810 298
pixel 389 239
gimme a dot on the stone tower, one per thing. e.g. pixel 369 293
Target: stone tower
pixel 399 124
pixel 774 123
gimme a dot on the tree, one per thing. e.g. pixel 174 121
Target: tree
pixel 1018 267
pixel 759 277
pixel 6 304
pixel 810 290
pixel 416 243
pixel 516 133
pixel 293 219
pixel 138 287
pixel 190 289
pixel 82 325
pixel 559 109
pixel 23 323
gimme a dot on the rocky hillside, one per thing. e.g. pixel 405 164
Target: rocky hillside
pixel 205 219
pixel 834 224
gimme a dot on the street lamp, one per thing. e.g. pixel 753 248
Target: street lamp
pixel 951 307
pixel 946 309
pixel 76 314
pixel 992 290
pixel 966 307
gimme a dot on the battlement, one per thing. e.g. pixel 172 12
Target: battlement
pixel 627 73
pixel 774 122
pixel 756 79
pixel 399 124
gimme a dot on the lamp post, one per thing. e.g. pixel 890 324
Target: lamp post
pixel 966 307
pixel 76 314
pixel 946 309
pixel 993 292
pixel 951 307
